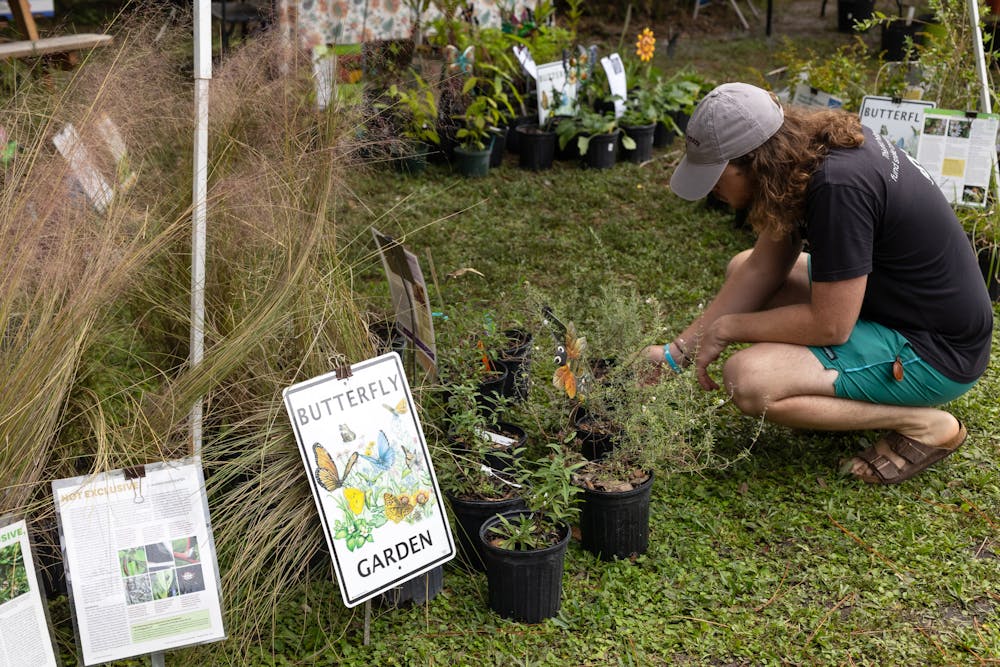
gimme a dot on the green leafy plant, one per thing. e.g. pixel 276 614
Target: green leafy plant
pixel 415 110
pixel 848 73
pixel 550 495
pixel 641 108
pixel 584 126
pixel 484 115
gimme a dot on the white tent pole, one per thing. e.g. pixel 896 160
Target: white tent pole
pixel 986 105
pixel 202 77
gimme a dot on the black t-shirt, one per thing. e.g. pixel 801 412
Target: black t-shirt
pixel 874 211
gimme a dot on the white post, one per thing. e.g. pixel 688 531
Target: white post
pixel 985 103
pixel 203 75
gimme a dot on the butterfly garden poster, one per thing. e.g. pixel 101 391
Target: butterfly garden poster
pixel 367 464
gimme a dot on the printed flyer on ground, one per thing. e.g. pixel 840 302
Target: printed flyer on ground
pixel 371 476
pixel 25 640
pixel 958 150
pixel 140 560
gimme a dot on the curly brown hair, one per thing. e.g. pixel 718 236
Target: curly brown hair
pixel 780 169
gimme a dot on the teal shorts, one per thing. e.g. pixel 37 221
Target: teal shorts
pixel 864 367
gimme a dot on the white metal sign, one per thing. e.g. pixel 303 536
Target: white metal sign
pixel 371 476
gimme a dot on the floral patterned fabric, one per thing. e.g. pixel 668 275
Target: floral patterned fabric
pixel 318 22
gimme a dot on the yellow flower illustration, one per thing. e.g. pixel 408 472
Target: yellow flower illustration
pixel 645 45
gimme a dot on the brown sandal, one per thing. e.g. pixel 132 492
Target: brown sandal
pixel 917 455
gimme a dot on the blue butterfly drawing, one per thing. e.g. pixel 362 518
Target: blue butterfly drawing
pixel 384 456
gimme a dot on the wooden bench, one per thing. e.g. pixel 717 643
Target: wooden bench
pixel 40 46
pixel 48 45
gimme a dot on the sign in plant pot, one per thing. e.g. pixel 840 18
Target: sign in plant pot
pixel 371 477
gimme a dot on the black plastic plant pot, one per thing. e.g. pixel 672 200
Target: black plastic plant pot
pixel 894 34
pixel 663 135
pixel 595 442
pixel 615 524
pixel 524 586
pixel 469 517
pixel 413 159
pixel 389 338
pixel 472 163
pixel 602 151
pixel 989 264
pixel 493 386
pixel 499 147
pixel 505 438
pixel 513 139
pixel 851 11
pixel 415 591
pixel 643 136
pixel 537 147
pixel 517 358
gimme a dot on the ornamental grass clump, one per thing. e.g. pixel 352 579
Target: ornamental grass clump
pixel 95 313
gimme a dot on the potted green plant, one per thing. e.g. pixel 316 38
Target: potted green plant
pixel 415 112
pixel 524 549
pixel 481 122
pixel 983 229
pixel 595 134
pixel 676 98
pixel 476 465
pixel 630 422
pixel 638 124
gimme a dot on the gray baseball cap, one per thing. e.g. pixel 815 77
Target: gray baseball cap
pixel 729 122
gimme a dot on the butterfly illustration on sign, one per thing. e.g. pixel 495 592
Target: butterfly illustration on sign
pixel 326 469
pixel 346 433
pixel 380 453
pixel 397 507
pixel 401 408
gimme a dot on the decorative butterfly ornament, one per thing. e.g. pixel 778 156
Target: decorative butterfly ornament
pixel 326 469
pixel 460 61
pixel 568 355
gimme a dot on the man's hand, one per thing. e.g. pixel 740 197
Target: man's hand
pixel 710 347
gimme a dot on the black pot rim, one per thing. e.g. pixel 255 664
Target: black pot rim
pixel 492 521
pixel 622 494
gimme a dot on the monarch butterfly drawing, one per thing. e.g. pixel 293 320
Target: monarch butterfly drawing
pixel 326 469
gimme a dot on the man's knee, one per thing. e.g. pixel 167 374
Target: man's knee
pixel 741 378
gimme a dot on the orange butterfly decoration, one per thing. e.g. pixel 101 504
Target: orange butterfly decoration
pixel 569 357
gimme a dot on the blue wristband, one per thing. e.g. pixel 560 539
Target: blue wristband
pixel 669 359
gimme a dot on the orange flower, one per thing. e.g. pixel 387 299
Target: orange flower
pixel 645 45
